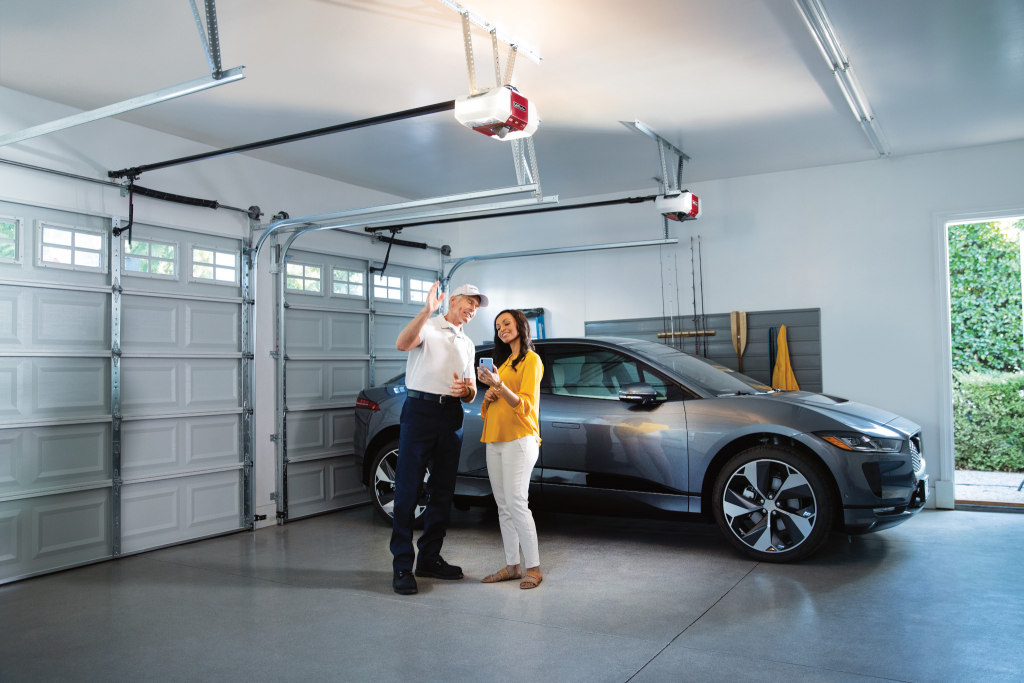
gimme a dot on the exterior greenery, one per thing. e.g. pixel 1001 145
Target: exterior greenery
pixel 988 349
pixel 988 421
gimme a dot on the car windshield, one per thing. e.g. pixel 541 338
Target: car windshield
pixel 717 379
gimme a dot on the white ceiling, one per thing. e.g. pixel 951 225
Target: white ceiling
pixel 737 84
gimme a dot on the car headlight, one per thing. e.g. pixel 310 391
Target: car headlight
pixel 855 441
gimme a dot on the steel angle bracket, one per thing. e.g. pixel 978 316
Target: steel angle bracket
pixel 175 91
pixel 671 183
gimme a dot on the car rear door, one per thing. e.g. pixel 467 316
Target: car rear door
pixel 599 450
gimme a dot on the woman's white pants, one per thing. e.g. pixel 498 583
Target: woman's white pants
pixel 509 466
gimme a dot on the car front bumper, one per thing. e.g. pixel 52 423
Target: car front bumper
pixel 865 520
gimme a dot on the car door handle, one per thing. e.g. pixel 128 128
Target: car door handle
pixel 566 425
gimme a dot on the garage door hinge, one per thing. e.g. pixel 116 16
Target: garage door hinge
pixel 115 350
pixel 287 305
pixel 251 302
pixel 248 356
pixel 259 518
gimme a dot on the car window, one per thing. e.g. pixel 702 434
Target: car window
pixel 717 379
pixel 589 371
pixel 666 389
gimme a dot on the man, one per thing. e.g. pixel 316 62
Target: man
pixel 439 377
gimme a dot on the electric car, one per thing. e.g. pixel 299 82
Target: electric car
pixel 642 429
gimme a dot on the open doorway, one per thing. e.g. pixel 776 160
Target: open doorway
pixel 987 330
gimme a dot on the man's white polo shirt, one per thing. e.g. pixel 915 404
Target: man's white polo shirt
pixel 444 349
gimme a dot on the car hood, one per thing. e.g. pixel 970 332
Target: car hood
pixel 863 418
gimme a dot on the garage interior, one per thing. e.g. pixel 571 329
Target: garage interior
pixel 216 218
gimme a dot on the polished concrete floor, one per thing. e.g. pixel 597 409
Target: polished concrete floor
pixel 940 598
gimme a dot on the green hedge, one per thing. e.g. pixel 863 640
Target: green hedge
pixel 985 297
pixel 988 421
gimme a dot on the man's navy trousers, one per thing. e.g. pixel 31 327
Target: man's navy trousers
pixel 431 436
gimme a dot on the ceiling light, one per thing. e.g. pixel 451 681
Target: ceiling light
pixel 814 15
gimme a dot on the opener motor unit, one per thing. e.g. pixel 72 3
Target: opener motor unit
pixel 500 113
pixel 684 206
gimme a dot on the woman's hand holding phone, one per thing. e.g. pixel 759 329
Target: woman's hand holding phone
pixel 487 376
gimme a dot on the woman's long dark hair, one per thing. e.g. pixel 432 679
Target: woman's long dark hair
pixel 502 351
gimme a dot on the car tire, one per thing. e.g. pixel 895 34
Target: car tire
pixel 382 485
pixel 773 503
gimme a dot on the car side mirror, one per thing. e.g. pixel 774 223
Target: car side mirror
pixel 638 392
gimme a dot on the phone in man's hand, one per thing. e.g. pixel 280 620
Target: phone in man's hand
pixel 487 363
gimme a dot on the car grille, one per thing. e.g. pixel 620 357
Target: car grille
pixel 915 452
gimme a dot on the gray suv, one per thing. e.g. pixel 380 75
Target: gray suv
pixel 641 429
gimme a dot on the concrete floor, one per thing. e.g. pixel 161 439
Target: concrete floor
pixel 937 599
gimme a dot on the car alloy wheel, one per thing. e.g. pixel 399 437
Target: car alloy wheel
pixel 383 486
pixel 772 504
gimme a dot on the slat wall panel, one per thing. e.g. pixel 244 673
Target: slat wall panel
pixel 803 329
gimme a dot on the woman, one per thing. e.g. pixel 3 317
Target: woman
pixel 512 434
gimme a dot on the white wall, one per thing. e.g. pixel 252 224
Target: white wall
pixel 237 180
pixel 860 241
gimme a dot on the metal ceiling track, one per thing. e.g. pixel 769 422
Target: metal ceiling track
pixel 818 23
pixel 284 139
pixel 217 77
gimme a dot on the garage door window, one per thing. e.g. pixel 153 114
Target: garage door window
pixel 214 266
pixel 418 290
pixel 65 246
pixel 388 288
pixel 10 239
pixel 347 283
pixel 304 278
pixel 149 258
pixel 590 372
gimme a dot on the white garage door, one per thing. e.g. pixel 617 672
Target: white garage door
pixel 341 324
pixel 76 380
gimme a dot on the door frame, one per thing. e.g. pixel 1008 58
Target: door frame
pixel 945 492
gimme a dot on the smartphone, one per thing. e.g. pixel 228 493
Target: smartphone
pixel 487 363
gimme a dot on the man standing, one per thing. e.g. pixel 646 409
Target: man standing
pixel 439 377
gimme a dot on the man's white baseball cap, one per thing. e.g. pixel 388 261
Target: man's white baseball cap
pixel 471 290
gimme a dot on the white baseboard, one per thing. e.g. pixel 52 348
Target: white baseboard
pixel 945 495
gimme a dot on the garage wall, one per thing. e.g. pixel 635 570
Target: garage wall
pixel 238 180
pixel 859 241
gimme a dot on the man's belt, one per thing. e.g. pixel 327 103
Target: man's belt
pixel 433 398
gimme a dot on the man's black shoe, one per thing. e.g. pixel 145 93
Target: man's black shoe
pixel 404 583
pixel 439 569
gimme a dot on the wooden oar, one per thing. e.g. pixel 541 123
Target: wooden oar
pixel 738 324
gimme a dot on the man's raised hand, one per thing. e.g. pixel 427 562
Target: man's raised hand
pixel 434 298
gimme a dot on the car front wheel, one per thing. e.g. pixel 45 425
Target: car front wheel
pixel 383 485
pixel 773 503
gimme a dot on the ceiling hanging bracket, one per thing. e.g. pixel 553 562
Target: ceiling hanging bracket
pixel 513 49
pixel 467 38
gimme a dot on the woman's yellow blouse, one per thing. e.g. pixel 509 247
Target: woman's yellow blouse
pixel 502 422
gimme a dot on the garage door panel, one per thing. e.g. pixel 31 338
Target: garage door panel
pixel 384 370
pixel 155 386
pixel 321 485
pixel 315 383
pixel 167 325
pixel 348 333
pixel 306 434
pixel 386 329
pixel 71 386
pixel 156 447
pixel 149 385
pixel 166 511
pixel 211 384
pixel 149 324
pixel 33 458
pixel 342 430
pixel 305 331
pixel 63 319
pixel 45 533
pixel 9 309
